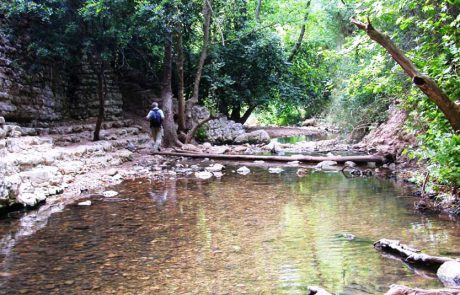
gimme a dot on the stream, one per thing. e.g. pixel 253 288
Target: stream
pixel 260 233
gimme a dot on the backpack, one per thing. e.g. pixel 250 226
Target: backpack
pixel 155 118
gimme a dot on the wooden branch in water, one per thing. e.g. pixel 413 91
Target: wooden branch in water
pixel 313 290
pixel 403 290
pixel 410 255
pixel 306 159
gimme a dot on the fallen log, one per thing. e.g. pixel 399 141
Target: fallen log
pixel 403 290
pixel 305 159
pixel 409 254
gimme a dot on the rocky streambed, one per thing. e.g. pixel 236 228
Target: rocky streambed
pixel 244 229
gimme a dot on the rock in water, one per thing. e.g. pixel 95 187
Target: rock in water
pixel 326 165
pixel 110 194
pixel 203 175
pixel 85 203
pixel 243 170
pixel 275 170
pixel 449 274
pixel 218 174
pixel 215 168
pixel 301 172
pixel 350 164
pixel 255 137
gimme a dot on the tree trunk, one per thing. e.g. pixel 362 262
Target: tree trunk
pixel 246 114
pixel 169 128
pixel 101 93
pixel 180 82
pixel 450 109
pixel 207 12
pixel 403 290
pixel 301 35
pixel 259 6
pixel 236 113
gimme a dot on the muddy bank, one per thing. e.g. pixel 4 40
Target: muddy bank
pixel 391 137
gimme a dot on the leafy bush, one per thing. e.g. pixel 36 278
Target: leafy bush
pixel 201 134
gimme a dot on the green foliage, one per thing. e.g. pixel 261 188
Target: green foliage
pixel 246 72
pixel 428 31
pixel 201 134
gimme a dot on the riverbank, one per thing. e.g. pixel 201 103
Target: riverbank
pixel 60 162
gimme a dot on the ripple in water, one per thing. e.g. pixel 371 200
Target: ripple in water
pixel 260 233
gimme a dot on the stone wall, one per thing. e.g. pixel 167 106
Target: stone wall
pixel 25 97
pixel 84 102
pixel 29 95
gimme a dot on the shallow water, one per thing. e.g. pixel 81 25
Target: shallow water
pixel 303 138
pixel 255 234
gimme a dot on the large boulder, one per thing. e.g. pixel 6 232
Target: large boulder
pixel 309 122
pixel 254 137
pixel 327 165
pixel 449 274
pixel 222 130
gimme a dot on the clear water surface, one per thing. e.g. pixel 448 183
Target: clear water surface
pixel 256 234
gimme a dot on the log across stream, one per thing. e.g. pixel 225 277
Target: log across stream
pixel 303 159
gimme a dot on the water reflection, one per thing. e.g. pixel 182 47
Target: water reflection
pixel 302 138
pixel 260 233
pixel 167 193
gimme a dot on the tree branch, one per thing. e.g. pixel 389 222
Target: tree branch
pixel 301 35
pixel 450 109
pixel 192 132
pixel 259 5
pixel 207 12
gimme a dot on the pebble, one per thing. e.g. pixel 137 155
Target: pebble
pixel 203 175
pixel 112 172
pixel 243 170
pixel 275 170
pixel 85 203
pixel 218 174
pixel 215 168
pixel 110 194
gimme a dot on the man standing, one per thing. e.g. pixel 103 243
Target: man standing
pixel 156 116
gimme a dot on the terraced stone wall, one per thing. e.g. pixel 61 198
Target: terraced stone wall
pixel 32 96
